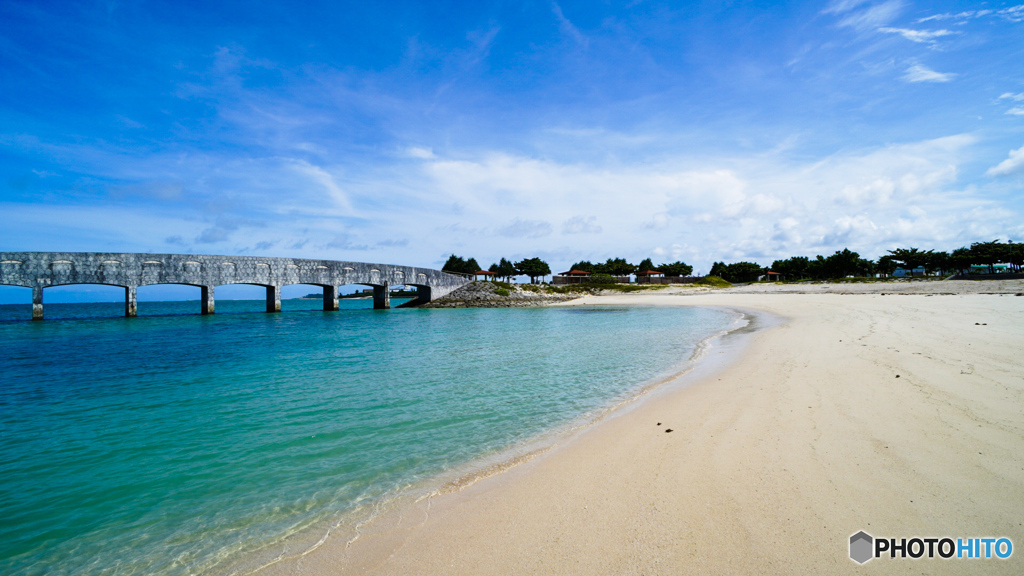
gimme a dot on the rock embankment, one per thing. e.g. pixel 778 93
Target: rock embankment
pixel 491 295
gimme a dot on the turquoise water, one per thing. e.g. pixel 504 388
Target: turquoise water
pixel 178 444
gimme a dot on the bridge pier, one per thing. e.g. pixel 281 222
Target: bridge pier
pixel 37 302
pixel 381 297
pixel 330 298
pixel 131 302
pixel 273 298
pixel 207 299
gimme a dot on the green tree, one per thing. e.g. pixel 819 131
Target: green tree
pixel 737 272
pixel 937 262
pixel 503 269
pixel 794 268
pixel 534 268
pixel 886 265
pixel 616 267
pixel 584 266
pixel 645 265
pixel 961 260
pixel 816 268
pixel 678 268
pixel 846 263
pixel 455 264
pixel 992 253
pixel 910 259
pixel 1016 255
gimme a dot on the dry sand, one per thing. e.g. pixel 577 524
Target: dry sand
pixel 775 459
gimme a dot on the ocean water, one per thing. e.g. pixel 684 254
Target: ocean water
pixel 179 444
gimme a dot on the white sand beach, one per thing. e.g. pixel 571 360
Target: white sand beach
pixel 900 415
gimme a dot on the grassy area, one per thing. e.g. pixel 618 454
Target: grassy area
pixel 713 281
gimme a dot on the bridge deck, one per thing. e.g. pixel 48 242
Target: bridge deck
pixel 40 270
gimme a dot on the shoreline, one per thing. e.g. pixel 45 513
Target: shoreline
pixel 710 355
pixel 773 462
pixel 393 510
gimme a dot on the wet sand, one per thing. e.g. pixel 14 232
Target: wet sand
pixel 899 415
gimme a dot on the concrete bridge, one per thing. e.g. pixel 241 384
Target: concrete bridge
pixel 39 270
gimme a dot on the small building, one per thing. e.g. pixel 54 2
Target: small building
pixel 571 277
pixel 487 275
pixel 650 277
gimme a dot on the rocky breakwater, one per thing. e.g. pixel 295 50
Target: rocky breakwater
pixel 498 295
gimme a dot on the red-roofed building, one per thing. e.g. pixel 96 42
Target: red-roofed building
pixel 571 277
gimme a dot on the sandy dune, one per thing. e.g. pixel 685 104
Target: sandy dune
pixel 901 416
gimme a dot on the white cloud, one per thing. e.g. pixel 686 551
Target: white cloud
pixel 958 16
pixel 1016 97
pixel 581 225
pixel 847 230
pixel 525 229
pixel 1016 111
pixel 918 73
pixel 326 180
pixel 842 6
pixel 657 222
pixel 1013 13
pixel 923 36
pixel 567 27
pixel 872 17
pixel 421 153
pixel 1013 164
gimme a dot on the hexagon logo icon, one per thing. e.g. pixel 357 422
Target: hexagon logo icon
pixel 861 545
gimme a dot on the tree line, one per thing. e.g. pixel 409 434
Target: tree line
pixel 532 267
pixel 619 267
pixel 845 263
pixel 537 268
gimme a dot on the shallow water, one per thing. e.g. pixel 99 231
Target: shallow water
pixel 175 443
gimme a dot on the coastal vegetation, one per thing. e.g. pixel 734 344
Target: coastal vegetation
pixel 460 266
pixel 845 264
pixel 620 267
pixel 533 267
pixel 713 281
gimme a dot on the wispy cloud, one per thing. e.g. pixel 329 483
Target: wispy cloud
pixel 1013 13
pixel 567 27
pixel 326 180
pixel 868 18
pixel 1010 14
pixel 918 73
pixel 1016 111
pixel 216 234
pixel 1013 164
pixel 525 229
pixel 842 6
pixel 958 16
pixel 581 225
pixel 1016 97
pixel 923 36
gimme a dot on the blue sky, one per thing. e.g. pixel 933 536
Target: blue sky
pixel 402 132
